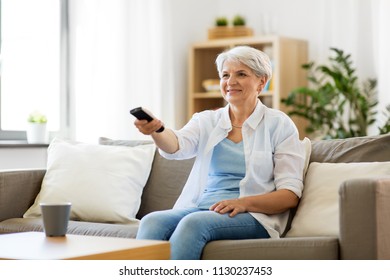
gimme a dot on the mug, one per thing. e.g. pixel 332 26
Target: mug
pixel 55 218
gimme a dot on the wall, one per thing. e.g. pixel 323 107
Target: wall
pixel 21 157
pixel 323 23
pixel 110 38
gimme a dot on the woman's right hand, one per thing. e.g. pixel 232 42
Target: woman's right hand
pixel 148 128
pixel 165 140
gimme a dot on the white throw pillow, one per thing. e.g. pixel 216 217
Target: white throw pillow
pixel 318 210
pixel 103 183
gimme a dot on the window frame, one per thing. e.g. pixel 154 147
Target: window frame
pixel 11 135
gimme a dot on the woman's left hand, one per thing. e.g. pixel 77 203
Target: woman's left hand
pixel 234 206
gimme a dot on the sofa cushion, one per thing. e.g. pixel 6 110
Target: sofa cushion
pixel 103 183
pixel 317 248
pixel 318 210
pixel 74 227
pixel 357 149
pixel 165 182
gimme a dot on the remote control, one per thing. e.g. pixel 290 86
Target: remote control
pixel 140 114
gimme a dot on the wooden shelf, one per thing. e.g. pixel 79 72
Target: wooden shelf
pixel 286 54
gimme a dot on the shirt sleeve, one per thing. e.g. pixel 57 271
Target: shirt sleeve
pixel 188 138
pixel 289 158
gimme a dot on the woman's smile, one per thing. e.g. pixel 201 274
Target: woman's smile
pixel 233 91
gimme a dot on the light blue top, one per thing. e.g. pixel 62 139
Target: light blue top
pixel 227 169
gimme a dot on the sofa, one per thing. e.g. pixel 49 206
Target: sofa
pixel 362 227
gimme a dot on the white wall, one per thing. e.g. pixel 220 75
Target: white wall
pixel 190 21
pixel 103 32
pixel 317 21
pixel 21 158
pixel 313 20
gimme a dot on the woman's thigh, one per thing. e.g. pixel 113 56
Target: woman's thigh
pixel 214 226
pixel 160 225
pixel 196 229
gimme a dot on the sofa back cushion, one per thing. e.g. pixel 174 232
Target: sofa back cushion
pixel 357 149
pixel 165 182
pixel 318 210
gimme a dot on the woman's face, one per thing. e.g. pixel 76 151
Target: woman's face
pixel 239 84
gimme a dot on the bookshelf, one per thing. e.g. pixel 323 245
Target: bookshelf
pixel 286 54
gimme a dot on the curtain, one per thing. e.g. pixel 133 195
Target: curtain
pixel 120 58
pixel 381 42
pixel 360 27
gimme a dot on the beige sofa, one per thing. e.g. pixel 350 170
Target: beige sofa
pixel 364 204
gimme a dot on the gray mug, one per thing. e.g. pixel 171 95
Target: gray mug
pixel 55 218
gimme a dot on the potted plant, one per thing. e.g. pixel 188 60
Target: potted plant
pixel 36 128
pixel 239 21
pixel 335 104
pixel 223 30
pixel 221 21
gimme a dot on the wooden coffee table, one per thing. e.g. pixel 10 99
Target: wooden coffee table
pixel 35 245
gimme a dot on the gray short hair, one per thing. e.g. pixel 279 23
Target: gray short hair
pixel 255 59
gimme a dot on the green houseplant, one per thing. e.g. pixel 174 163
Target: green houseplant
pixel 36 117
pixel 225 29
pixel 335 104
pixel 221 21
pixel 239 21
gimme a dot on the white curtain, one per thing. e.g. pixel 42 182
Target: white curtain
pixel 360 27
pixel 381 23
pixel 120 59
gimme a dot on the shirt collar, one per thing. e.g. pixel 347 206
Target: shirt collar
pixel 253 120
pixel 224 122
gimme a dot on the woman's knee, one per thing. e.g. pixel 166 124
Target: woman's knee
pixel 194 224
pixel 151 219
pixel 160 224
pixel 154 226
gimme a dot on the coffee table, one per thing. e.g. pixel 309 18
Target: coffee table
pixel 35 245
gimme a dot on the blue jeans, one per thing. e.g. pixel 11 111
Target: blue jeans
pixel 188 230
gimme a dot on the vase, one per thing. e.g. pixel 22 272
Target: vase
pixel 36 133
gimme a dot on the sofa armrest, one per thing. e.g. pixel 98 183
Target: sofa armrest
pixel 18 190
pixel 365 218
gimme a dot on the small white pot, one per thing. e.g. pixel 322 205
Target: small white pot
pixel 36 133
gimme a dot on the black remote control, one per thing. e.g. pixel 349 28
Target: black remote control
pixel 140 114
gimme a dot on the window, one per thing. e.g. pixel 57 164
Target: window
pixel 33 64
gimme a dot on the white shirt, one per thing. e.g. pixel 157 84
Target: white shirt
pixel 274 157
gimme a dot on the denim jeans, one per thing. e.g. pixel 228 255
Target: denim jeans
pixel 188 230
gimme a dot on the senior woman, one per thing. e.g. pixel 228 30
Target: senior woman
pixel 248 169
